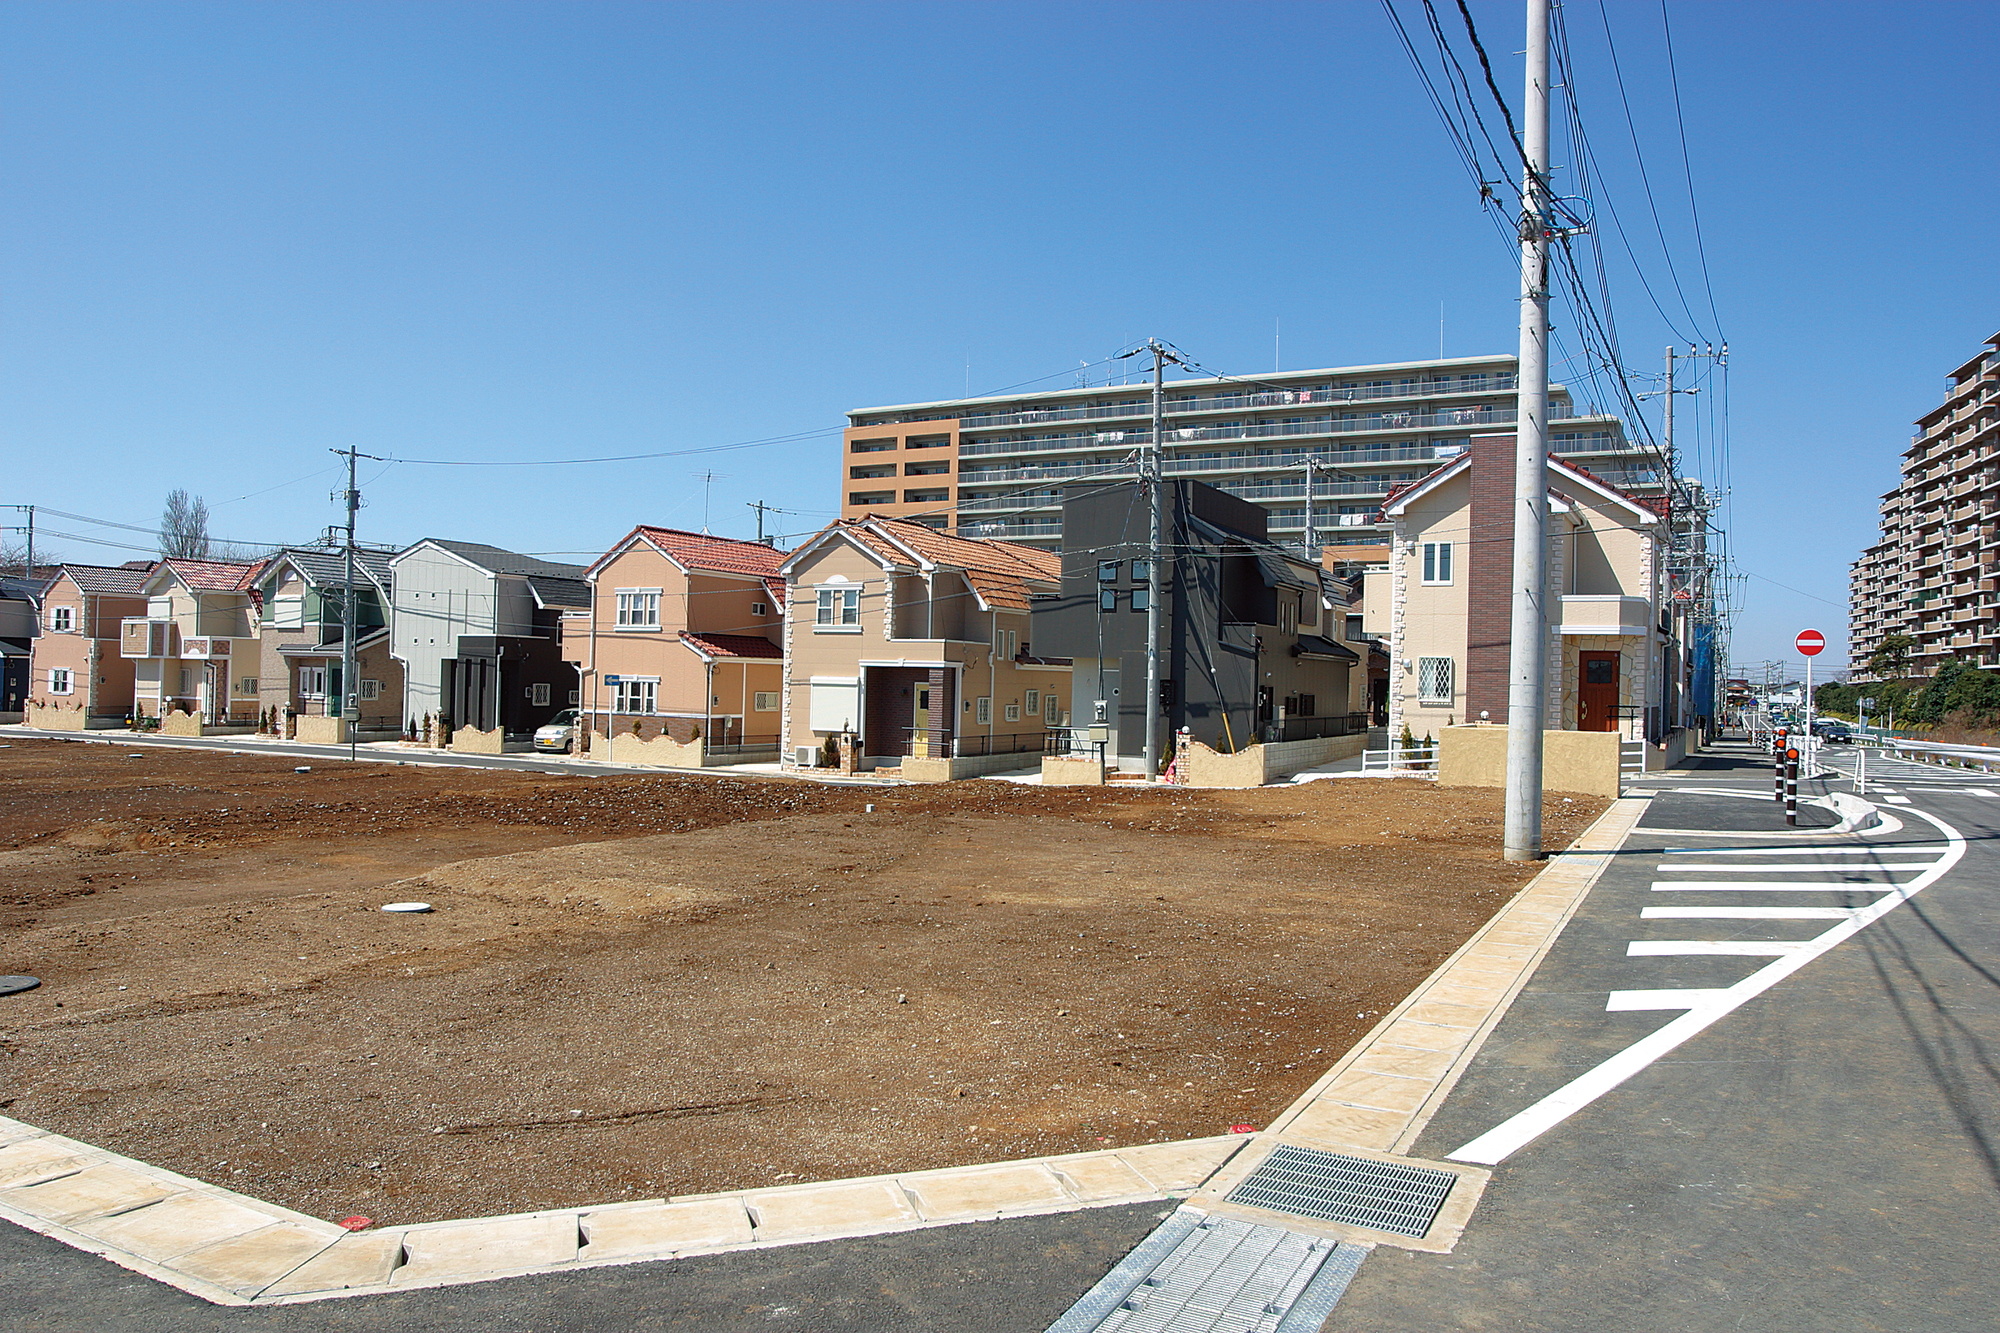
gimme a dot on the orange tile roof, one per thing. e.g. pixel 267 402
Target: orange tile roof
pixel 724 555
pixel 998 571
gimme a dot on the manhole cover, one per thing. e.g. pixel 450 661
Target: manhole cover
pixel 15 985
pixel 1386 1196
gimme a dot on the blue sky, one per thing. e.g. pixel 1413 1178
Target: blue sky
pixel 237 236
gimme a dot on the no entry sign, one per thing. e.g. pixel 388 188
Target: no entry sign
pixel 1810 642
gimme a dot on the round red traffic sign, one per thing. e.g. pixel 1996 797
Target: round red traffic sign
pixel 1810 642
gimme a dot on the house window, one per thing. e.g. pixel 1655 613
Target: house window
pixel 1288 615
pixel 1434 680
pixel 1437 562
pixel 1107 570
pixel 61 681
pixel 1107 599
pixel 62 619
pixel 835 704
pixel 575 698
pixel 249 685
pixel 159 608
pixel 1051 709
pixel 765 701
pixel 636 694
pixel 1353 630
pixel 1013 712
pixel 982 711
pixel 638 608
pixel 538 693
pixel 187 680
pixel 1033 704
pixel 839 609
pixel 759 609
pixel 1308 704
pixel 312 682
pixel 1142 598
pixel 1142 571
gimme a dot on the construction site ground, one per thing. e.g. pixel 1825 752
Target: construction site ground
pixel 645 986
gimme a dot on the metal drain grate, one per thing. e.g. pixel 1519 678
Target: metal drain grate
pixel 1387 1196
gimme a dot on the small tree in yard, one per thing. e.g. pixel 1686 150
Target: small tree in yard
pixel 184 527
pixel 1891 658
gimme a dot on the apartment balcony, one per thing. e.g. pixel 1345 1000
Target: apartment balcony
pixel 1238 402
pixel 141 638
pixel 1592 613
pixel 1466 418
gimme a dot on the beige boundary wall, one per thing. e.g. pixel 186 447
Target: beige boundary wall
pixel 665 752
pixel 471 740
pixel 1579 761
pixel 1072 771
pixel 1261 763
pixel 57 717
pixel 316 730
pixel 915 769
pixel 177 723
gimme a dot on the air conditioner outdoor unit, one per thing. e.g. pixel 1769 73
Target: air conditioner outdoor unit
pixel 806 756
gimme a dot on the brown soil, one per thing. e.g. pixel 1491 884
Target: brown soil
pixel 657 985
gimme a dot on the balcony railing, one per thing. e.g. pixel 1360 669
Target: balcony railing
pixel 1234 402
pixel 1313 728
pixel 1326 425
pixel 913 740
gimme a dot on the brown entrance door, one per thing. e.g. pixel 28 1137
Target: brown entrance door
pixel 1597 692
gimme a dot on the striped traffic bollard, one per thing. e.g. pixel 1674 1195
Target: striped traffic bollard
pixel 1791 787
pixel 1778 767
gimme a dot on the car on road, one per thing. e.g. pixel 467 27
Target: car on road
pixel 1833 731
pixel 557 732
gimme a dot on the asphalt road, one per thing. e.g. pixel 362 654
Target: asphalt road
pixel 1825 1157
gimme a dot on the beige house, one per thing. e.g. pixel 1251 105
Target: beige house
pixel 1444 600
pixel 913 644
pixel 196 648
pixel 303 618
pixel 680 644
pixel 79 675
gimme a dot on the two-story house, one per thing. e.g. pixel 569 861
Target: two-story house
pixel 303 590
pixel 479 633
pixel 20 621
pixel 79 675
pixel 681 641
pixel 914 645
pixel 195 649
pixel 1449 603
pixel 1254 637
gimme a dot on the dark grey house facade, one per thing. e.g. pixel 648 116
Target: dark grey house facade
pixel 1251 632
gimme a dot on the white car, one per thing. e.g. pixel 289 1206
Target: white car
pixel 556 733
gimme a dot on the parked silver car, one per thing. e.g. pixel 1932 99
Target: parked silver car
pixel 557 732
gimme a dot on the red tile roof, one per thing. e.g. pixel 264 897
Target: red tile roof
pixel 217 575
pixel 733 645
pixel 776 587
pixel 1000 572
pixel 723 555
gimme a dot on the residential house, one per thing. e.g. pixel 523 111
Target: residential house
pixel 303 590
pixel 1449 611
pixel 195 647
pixel 1254 641
pixel 20 619
pixel 79 675
pixel 914 645
pixel 478 632
pixel 689 627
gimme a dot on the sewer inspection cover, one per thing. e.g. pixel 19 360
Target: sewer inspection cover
pixel 15 985
pixel 1385 1196
pixel 406 907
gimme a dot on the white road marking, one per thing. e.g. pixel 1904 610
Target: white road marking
pixel 1746 913
pixel 1633 1001
pixel 1897 800
pixel 1690 867
pixel 1742 886
pixel 1500 1142
pixel 1901 849
pixel 1727 948
pixel 1982 791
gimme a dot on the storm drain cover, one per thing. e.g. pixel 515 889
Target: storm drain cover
pixel 1387 1196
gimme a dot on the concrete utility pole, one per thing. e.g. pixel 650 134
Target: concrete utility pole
pixel 1149 468
pixel 1526 674
pixel 350 688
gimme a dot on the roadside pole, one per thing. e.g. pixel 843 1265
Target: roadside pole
pixel 1528 640
pixel 611 716
pixel 1810 644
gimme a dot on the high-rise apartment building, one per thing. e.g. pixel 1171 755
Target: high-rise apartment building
pixel 1934 577
pixel 997 467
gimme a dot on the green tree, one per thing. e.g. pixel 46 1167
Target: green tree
pixel 1891 658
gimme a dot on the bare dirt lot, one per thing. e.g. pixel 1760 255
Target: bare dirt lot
pixel 658 985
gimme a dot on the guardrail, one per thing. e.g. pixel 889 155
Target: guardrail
pixel 1982 757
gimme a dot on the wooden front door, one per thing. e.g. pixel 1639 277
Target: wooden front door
pixel 1597 692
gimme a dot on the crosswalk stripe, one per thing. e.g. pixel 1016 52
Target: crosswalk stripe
pixel 1723 948
pixel 1747 913
pixel 1633 1001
